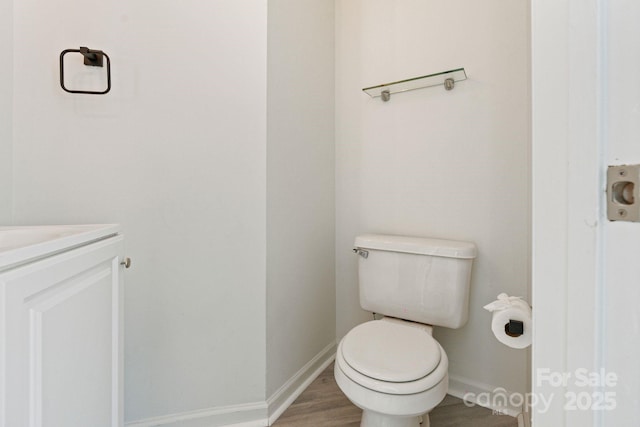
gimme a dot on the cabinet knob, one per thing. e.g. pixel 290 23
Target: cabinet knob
pixel 126 262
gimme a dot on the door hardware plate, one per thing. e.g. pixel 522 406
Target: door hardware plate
pixel 623 193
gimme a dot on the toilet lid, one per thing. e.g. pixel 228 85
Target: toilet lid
pixel 390 352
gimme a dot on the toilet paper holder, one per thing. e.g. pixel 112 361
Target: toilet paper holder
pixel 514 328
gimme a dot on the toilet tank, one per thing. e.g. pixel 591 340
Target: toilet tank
pixel 413 278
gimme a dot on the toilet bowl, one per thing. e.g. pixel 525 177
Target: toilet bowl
pixel 394 370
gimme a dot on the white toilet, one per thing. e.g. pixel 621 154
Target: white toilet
pixel 392 368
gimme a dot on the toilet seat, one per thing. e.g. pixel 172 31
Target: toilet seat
pixel 392 358
pixel 390 351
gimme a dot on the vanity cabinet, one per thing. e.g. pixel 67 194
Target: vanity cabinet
pixel 61 338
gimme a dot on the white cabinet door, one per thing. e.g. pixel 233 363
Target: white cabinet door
pixel 62 341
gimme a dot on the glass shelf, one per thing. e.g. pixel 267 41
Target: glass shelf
pixel 446 78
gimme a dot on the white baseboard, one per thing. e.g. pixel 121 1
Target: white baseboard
pixel 495 398
pixel 285 395
pixel 523 421
pixel 245 415
pixel 258 423
pixel 258 414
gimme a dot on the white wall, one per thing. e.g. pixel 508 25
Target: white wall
pixel 436 163
pixel 6 108
pixel 176 153
pixel 300 186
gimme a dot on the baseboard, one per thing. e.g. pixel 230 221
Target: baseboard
pixel 285 395
pixel 245 415
pixel 523 420
pixel 495 398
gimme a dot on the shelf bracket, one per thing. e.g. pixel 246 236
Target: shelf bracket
pixel 449 83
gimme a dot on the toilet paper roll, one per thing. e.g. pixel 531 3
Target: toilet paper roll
pixel 507 308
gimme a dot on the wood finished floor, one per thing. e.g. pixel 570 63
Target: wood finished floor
pixel 322 404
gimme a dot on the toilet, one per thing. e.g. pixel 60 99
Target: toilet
pixel 393 368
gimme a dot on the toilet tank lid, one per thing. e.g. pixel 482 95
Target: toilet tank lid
pixel 417 245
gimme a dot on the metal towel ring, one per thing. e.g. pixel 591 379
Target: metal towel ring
pixel 92 58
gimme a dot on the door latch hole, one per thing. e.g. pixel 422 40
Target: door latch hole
pixel 622 193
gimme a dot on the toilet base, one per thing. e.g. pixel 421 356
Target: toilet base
pixel 375 419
